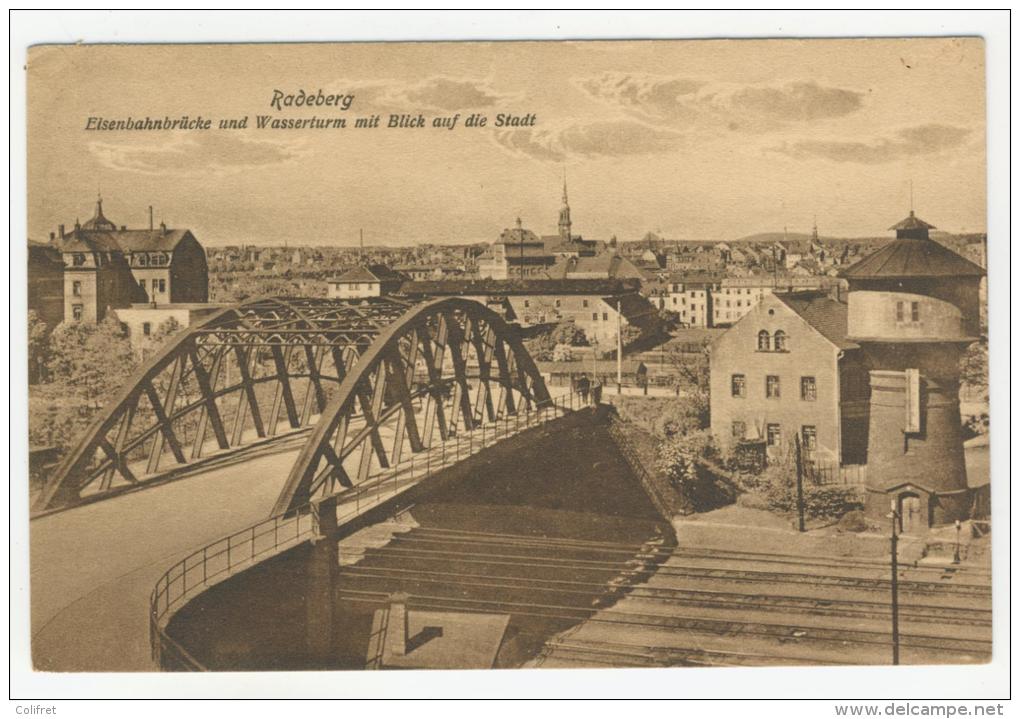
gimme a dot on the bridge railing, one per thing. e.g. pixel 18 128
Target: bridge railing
pixel 236 552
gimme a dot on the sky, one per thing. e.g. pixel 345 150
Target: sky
pixel 704 139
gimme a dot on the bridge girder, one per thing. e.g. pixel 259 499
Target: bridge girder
pixel 446 366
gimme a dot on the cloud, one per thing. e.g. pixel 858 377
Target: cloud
pixel 447 94
pixel 452 94
pixel 609 138
pixel 212 151
pixel 693 103
pixel 928 139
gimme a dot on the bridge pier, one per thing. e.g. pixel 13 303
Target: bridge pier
pixel 320 585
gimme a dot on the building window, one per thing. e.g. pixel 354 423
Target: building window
pixel 527 303
pixel 584 303
pixel 915 311
pixel 78 259
pixel 77 311
pixel 605 316
pixel 557 303
pixel 738 385
pixel 899 312
pixel 772 386
pixel 763 341
pixel 739 429
pixel 162 285
pixel 772 435
pixel 141 283
pixel 594 316
pixel 780 341
pixel 808 437
pixel 808 389
pixel 146 328
pixel 76 288
pixel 142 261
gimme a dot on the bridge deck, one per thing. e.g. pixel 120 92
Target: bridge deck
pixel 93 567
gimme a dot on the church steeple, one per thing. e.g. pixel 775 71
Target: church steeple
pixel 564 224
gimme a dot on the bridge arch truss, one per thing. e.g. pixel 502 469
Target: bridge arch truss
pixel 364 381
pixel 446 367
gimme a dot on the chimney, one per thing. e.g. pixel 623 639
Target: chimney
pixel 162 228
pixel 150 219
pixel 60 231
pixel 396 628
pixel 53 236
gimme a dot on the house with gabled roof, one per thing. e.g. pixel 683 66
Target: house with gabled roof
pixel 787 368
pixel 373 280
pixel 107 266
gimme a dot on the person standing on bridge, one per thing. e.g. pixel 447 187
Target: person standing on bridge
pixel 582 387
pixel 596 393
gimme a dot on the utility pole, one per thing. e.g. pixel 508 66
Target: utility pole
pixel 619 347
pixel 894 516
pixel 800 481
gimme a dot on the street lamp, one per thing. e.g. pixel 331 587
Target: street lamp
pixel 894 516
pixel 956 554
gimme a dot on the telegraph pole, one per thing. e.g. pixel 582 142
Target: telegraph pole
pixel 894 515
pixel 619 347
pixel 800 481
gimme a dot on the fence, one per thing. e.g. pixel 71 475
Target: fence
pixel 236 552
pixel 825 474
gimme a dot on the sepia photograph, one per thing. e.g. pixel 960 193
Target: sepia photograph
pixel 578 355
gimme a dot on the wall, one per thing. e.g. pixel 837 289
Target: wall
pixel 189 273
pixel 589 312
pixel 873 315
pixel 352 290
pixel 810 354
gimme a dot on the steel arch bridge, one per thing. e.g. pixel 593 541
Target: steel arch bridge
pixel 366 381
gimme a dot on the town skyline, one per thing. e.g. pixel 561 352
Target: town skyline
pixel 725 140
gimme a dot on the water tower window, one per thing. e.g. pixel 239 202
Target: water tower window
pixel 900 314
pixel 915 311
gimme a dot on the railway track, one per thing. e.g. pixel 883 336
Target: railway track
pixel 787 634
pixel 656 562
pixel 650 604
pixel 609 592
pixel 621 654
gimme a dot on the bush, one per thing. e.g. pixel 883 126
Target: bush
pixel 777 486
pixel 853 522
pixel 681 460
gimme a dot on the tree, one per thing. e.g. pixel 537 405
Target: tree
pixel 38 347
pixel 154 342
pixel 542 345
pixel 90 361
pixel 974 366
pixel 691 378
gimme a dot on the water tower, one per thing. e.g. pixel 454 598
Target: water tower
pixel 913 307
